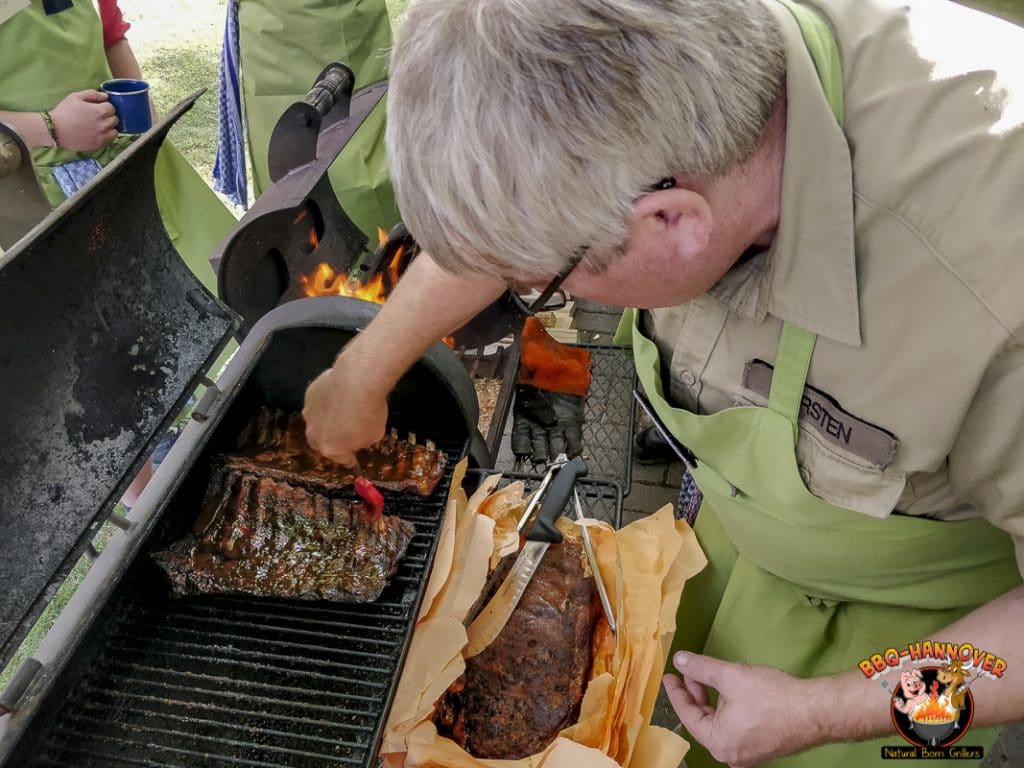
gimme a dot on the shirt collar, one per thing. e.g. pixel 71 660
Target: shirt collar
pixel 808 277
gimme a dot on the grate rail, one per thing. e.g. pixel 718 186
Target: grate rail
pixel 226 681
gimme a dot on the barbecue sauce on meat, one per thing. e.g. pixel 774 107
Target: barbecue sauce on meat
pixel 274 445
pixel 526 686
pixel 258 536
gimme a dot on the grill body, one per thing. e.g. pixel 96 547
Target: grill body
pixel 136 678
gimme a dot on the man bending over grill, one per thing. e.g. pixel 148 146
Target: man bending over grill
pixel 815 207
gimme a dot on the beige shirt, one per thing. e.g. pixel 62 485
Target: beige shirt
pixel 901 244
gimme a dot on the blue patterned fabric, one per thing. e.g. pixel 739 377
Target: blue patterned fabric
pixel 229 167
pixel 690 498
pixel 74 175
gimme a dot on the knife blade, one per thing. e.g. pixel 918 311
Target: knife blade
pixel 543 533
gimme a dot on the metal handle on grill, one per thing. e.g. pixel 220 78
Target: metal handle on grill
pixel 15 689
pixel 336 81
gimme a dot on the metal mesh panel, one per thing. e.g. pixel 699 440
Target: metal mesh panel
pixel 219 681
pixel 601 499
pixel 610 416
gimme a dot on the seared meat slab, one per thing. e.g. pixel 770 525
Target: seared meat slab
pixel 274 445
pixel 526 686
pixel 262 537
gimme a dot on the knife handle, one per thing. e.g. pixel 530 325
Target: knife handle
pixel 555 500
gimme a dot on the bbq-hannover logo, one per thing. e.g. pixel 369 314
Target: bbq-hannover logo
pixel 932 705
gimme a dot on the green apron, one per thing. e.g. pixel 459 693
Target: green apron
pixel 283 47
pixel 46 58
pixel 792 581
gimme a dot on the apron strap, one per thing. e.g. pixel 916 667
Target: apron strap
pixel 821 44
pixel 792 361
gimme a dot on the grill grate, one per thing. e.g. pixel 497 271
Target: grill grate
pixel 226 681
pixel 609 416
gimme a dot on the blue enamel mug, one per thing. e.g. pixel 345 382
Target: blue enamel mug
pixel 131 103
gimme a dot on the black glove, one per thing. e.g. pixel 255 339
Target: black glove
pixel 545 424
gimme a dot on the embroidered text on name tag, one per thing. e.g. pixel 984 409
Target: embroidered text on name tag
pixel 825 416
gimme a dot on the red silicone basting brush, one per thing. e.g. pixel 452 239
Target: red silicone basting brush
pixel 368 492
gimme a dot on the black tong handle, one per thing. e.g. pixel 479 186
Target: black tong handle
pixel 555 500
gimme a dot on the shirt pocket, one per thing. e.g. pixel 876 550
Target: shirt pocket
pixel 844 481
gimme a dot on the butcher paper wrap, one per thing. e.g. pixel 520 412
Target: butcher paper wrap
pixel 653 556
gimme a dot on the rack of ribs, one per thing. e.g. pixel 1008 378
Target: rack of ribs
pixel 527 685
pixel 262 537
pixel 274 445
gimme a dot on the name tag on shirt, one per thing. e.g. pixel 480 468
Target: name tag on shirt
pixel 822 413
pixel 10 7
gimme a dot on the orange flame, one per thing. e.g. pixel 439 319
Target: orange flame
pixel 934 711
pixel 325 281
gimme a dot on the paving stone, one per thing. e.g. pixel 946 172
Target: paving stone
pixel 595 337
pixel 585 305
pixel 647 499
pixel 674 474
pixel 596 321
pixel 652 474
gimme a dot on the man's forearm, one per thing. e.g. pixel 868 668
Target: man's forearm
pixel 995 627
pixel 426 305
pixel 31 127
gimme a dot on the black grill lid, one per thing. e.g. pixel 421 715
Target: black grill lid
pixel 104 333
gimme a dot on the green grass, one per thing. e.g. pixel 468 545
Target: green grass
pixel 54 607
pixel 1008 9
pixel 173 77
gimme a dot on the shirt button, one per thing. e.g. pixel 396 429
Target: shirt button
pixel 805 474
pixel 688 378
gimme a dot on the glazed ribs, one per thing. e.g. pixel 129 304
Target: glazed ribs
pixel 274 445
pixel 258 536
pixel 527 685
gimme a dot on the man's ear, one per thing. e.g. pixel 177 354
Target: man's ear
pixel 677 217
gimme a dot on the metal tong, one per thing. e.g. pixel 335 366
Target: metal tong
pixel 588 545
pixel 558 486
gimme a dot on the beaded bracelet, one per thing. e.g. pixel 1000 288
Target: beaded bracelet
pixel 50 127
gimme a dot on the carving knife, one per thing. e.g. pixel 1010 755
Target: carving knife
pixel 542 534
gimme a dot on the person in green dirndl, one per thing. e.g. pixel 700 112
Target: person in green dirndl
pixel 814 210
pixel 54 60
pixel 278 49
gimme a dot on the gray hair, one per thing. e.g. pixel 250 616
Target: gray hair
pixel 520 131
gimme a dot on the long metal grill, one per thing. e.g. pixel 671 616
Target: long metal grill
pixel 228 681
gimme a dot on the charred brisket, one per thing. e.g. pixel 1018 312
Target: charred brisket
pixel 274 445
pixel 527 685
pixel 258 536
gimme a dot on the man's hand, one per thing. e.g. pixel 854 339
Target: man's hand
pixel 342 415
pixel 346 407
pixel 545 424
pixel 85 121
pixel 761 713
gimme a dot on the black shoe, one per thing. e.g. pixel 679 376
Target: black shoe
pixel 649 447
